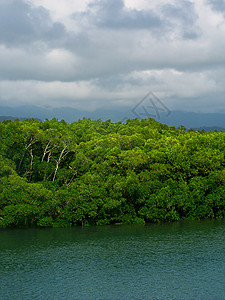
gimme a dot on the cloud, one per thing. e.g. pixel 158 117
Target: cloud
pixel 50 65
pixel 183 16
pixel 164 18
pixel 41 49
pixel 217 5
pixel 193 91
pixel 21 24
pixel 111 54
pixel 114 14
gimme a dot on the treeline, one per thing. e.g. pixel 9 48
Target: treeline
pixel 95 173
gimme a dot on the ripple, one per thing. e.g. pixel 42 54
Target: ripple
pixel 170 261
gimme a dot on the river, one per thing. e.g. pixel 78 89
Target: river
pixel 184 260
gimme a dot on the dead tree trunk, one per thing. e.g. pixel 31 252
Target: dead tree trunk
pixel 63 153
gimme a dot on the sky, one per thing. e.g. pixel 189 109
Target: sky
pixel 106 54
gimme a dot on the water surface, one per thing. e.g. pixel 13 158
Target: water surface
pixel 183 260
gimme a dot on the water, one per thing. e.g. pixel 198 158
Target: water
pixel 171 261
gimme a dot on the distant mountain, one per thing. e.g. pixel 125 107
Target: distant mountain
pixel 5 118
pixel 175 118
pixel 210 129
pixel 27 111
pixel 67 113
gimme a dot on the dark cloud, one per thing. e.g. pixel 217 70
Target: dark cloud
pixel 183 17
pixel 163 20
pixel 183 10
pixel 123 52
pixel 217 5
pixel 21 23
pixel 113 14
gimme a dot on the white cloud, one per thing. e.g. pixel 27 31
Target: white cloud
pixel 178 90
pixel 20 64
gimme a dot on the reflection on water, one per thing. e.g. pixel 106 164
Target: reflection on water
pixel 168 261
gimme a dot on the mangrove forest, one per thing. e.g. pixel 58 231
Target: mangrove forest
pixel 55 174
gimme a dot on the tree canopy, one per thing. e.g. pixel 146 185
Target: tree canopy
pixel 95 173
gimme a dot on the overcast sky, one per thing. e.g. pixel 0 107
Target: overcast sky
pixel 110 53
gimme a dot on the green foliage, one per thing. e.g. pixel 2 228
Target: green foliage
pixel 45 222
pixel 54 174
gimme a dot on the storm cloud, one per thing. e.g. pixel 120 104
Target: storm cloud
pixel 112 54
pixel 22 23
pixel 217 5
pixel 114 15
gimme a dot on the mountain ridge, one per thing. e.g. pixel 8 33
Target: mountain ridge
pixel 175 118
